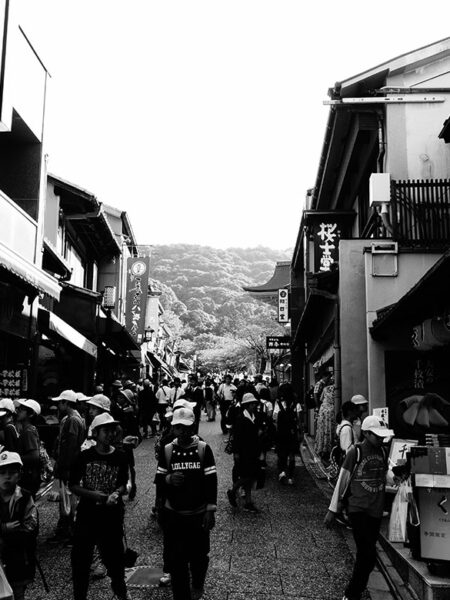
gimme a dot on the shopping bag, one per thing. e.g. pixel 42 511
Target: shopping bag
pixel 6 592
pixel 399 514
pixel 65 499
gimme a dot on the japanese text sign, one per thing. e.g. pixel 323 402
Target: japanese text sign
pixel 283 306
pixel 278 342
pixel 136 296
pixel 326 245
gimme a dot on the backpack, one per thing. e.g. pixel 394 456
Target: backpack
pixel 337 455
pixel 346 491
pixel 201 447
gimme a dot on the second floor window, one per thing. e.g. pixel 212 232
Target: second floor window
pixel 76 263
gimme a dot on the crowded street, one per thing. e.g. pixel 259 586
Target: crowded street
pixel 224 313
pixel 282 552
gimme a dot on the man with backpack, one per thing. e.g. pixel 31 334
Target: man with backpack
pixel 361 488
pixel 187 478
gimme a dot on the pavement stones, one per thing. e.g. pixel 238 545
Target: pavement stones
pixel 284 552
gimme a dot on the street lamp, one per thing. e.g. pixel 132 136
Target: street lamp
pixel 149 334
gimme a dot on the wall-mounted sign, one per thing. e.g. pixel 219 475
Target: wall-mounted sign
pixel 326 243
pixel 136 297
pixel 283 306
pixel 12 382
pixel 278 342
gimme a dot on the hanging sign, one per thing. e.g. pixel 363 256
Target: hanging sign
pixel 278 342
pixel 136 296
pixel 283 306
pixel 326 241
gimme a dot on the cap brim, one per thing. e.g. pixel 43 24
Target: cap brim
pixel 3 413
pixel 107 424
pixel 182 422
pixel 386 434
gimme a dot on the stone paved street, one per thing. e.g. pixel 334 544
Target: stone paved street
pixel 283 552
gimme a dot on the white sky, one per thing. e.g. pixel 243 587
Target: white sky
pixel 203 119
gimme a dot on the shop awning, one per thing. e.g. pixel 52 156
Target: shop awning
pixel 29 273
pixel 426 299
pixel 66 331
pixel 116 334
pixel 160 364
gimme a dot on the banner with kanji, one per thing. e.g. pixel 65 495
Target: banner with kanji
pixel 136 296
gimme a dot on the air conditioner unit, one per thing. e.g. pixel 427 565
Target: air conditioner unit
pixel 379 189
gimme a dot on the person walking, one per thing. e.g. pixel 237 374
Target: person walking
pixel 287 436
pixel 361 487
pixel 99 478
pixel 19 526
pixel 226 394
pixel 147 405
pixel 68 447
pixel 187 479
pixel 9 437
pixel 29 445
pixel 246 451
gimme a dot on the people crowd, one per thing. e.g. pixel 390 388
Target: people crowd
pixel 93 464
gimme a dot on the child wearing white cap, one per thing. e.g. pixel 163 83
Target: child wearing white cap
pixel 29 445
pixel 9 437
pixel 99 478
pixel 19 526
pixel 361 485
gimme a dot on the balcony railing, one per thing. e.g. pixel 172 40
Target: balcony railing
pixel 419 213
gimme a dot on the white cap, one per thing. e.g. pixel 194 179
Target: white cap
pixel 35 406
pixel 358 399
pixel 8 405
pixel 9 458
pixel 183 416
pixel 184 404
pixel 378 427
pixel 103 420
pixel 101 401
pixel 67 395
pixel 82 397
pixel 247 398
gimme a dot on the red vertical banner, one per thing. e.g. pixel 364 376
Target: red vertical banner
pixel 136 296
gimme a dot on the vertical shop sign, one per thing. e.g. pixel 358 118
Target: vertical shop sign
pixel 136 296
pixel 326 243
pixel 283 306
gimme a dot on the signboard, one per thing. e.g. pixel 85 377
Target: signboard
pixel 136 296
pixel 278 342
pixel 283 306
pixel 382 413
pixel 12 382
pixel 326 241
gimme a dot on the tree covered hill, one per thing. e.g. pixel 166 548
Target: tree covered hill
pixel 202 287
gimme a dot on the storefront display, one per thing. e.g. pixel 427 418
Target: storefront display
pixel 430 468
pixel 417 390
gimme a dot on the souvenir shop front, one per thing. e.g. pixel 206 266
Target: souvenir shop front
pixel 416 335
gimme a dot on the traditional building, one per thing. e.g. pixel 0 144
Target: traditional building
pixel 376 222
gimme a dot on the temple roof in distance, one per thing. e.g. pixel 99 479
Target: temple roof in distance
pixel 280 279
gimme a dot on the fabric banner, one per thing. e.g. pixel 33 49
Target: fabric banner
pixel 136 298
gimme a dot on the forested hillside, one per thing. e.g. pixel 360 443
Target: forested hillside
pixel 202 287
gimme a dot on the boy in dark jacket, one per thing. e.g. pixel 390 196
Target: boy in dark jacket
pixel 19 526
pixel 187 479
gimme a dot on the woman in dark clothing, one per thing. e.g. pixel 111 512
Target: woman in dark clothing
pixel 29 446
pixel 247 451
pixel 287 436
